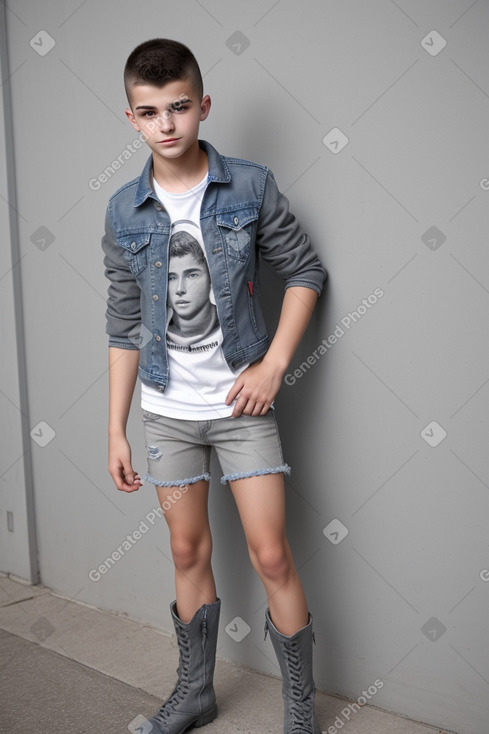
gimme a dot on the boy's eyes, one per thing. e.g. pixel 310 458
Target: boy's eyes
pixel 173 110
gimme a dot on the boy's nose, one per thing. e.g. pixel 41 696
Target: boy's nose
pixel 166 122
pixel 181 287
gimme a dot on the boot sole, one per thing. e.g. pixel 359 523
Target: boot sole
pixel 200 721
pixel 205 718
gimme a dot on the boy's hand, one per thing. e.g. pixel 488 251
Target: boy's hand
pixel 120 468
pixel 255 389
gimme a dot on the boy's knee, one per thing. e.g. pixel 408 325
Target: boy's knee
pixel 189 552
pixel 272 561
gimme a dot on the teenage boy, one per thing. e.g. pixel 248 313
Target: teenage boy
pixel 235 211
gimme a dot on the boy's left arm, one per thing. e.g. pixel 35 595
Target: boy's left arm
pixel 257 386
pixel 284 245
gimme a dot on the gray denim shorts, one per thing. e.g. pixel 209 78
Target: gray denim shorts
pixel 178 451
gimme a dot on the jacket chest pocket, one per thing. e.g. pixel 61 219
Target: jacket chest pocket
pixel 136 250
pixel 238 229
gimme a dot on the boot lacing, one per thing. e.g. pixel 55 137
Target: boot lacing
pixel 181 689
pixel 300 709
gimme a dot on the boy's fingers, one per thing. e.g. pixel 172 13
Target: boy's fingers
pixel 233 392
pixel 128 475
pixel 126 479
pixel 131 477
pixel 127 486
pixel 244 406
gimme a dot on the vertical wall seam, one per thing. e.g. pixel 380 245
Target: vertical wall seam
pixel 18 300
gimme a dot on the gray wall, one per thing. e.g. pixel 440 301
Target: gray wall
pixel 384 425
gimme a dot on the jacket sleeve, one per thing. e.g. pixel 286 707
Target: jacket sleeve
pixel 284 245
pixel 123 312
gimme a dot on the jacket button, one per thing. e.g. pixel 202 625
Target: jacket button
pixel 155 297
pixel 158 264
pixel 159 207
pixel 236 220
pixel 133 245
pixel 158 338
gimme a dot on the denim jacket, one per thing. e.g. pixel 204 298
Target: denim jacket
pixel 242 214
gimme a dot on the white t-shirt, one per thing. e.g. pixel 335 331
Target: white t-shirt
pixel 199 376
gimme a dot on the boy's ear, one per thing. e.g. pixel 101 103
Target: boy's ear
pixel 132 119
pixel 205 107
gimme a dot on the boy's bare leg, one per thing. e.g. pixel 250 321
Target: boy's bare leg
pixel 191 545
pixel 261 506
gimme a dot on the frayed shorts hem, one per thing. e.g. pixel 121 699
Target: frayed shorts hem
pixel 178 482
pixel 248 446
pixel 284 469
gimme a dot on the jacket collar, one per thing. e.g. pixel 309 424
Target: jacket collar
pixel 218 172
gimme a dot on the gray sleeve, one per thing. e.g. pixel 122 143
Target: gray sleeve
pixel 284 245
pixel 123 303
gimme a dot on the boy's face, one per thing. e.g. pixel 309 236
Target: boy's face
pixel 188 286
pixel 168 116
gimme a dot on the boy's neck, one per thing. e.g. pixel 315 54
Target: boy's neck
pixel 183 173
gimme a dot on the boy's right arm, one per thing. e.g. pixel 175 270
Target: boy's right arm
pixel 123 369
pixel 123 318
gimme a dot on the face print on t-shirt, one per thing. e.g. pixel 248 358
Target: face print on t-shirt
pixel 193 314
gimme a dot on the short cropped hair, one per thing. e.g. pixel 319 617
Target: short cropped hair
pixel 182 243
pixel 160 61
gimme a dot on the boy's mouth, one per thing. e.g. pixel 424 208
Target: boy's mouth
pixel 168 140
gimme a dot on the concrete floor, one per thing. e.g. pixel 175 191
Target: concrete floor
pixel 66 668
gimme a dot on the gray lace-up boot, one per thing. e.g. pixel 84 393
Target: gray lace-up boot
pixel 294 655
pixel 193 701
